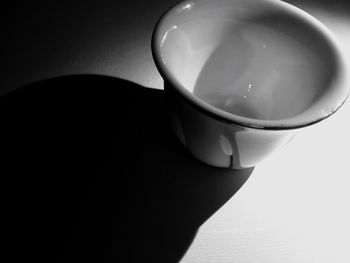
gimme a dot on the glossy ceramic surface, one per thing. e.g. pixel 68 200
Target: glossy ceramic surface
pixel 219 143
pixel 273 102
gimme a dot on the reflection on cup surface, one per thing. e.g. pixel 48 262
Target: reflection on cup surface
pixel 258 72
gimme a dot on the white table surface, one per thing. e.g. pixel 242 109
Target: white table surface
pixel 295 205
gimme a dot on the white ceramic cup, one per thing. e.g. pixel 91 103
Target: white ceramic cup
pixel 194 35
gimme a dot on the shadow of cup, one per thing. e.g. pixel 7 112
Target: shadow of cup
pixel 93 174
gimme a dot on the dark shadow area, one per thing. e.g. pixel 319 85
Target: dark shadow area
pixel 333 6
pixel 91 173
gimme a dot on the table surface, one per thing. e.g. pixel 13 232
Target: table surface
pixel 293 207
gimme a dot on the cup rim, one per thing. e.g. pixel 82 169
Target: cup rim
pixel 294 122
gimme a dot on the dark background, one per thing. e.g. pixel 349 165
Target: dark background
pixel 43 39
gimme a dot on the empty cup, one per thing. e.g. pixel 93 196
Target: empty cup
pixel 242 76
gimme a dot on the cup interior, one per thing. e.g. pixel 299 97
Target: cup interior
pixel 259 63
